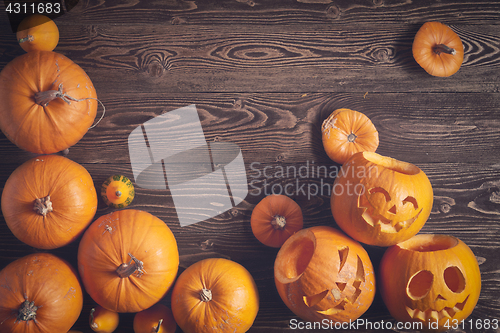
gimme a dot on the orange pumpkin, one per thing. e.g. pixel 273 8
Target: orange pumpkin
pixel 48 201
pixel 156 319
pixel 321 274
pixel 379 200
pixel 128 260
pixel 438 49
pixel 39 293
pixel 275 218
pixel 346 132
pixel 437 281
pixel 215 295
pixel 37 33
pixel 102 320
pixel 48 102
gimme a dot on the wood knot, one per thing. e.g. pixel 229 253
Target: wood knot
pixel 378 2
pixel 177 20
pixel 92 31
pixel 155 69
pixel 382 55
pixel 333 11
pixel 444 207
pixel 238 104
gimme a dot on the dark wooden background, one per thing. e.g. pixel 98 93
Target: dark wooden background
pixel 264 74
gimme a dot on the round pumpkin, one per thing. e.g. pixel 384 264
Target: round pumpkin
pixel 102 320
pixel 215 295
pixel 431 279
pixel 275 218
pixel 117 191
pixel 156 319
pixel 37 33
pixel 321 274
pixel 346 132
pixel 48 201
pixel 128 260
pixel 48 102
pixel 438 49
pixel 39 293
pixel 379 200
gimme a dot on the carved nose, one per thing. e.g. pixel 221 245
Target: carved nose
pixel 439 297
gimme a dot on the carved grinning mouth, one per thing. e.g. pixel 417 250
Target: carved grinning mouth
pixel 430 314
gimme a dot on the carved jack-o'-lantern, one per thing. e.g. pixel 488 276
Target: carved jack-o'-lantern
pixel 320 273
pixel 433 279
pixel 380 201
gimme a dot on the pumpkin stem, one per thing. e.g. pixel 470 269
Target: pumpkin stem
pixel 27 311
pixel 92 321
pixel 118 194
pixel 134 266
pixel 157 328
pixel 278 222
pixel 206 295
pixel 352 137
pixel 28 38
pixel 441 48
pixel 43 98
pixel 43 206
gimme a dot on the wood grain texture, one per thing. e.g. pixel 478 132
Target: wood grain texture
pixel 264 75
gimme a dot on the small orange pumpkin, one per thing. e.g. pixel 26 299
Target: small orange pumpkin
pixel 48 102
pixel 215 295
pixel 321 274
pixel 48 201
pixel 37 33
pixel 437 281
pixel 39 293
pixel 117 191
pixel 379 200
pixel 102 320
pixel 156 319
pixel 275 218
pixel 128 260
pixel 438 49
pixel 346 132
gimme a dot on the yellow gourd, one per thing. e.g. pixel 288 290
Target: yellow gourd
pixel 117 191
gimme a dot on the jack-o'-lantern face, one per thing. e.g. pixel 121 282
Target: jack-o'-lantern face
pixel 436 295
pixel 321 273
pixel 380 201
pixel 388 213
pixel 433 279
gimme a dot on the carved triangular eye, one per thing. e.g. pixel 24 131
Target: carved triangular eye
pixel 419 285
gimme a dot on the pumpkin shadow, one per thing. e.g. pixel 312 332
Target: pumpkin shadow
pixel 403 50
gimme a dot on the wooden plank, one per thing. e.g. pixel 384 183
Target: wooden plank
pixel 268 12
pixel 294 58
pixel 413 127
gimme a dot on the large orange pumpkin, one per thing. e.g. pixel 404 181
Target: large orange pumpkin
pixel 431 279
pixel 275 218
pixel 215 295
pixel 346 132
pixel 48 102
pixel 128 260
pixel 48 201
pixel 379 200
pixel 37 33
pixel 321 274
pixel 438 49
pixel 39 293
